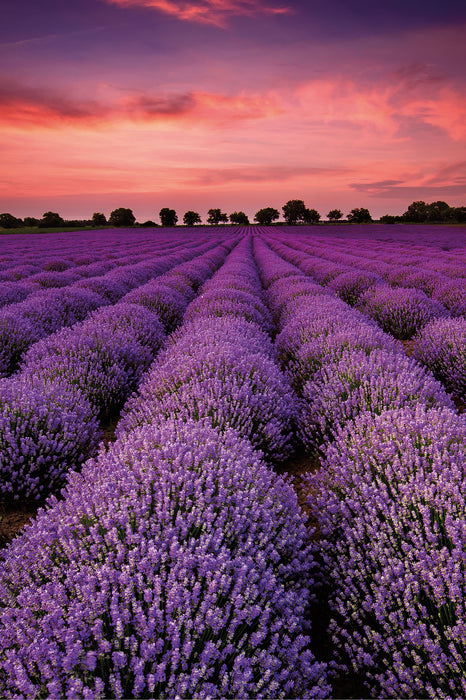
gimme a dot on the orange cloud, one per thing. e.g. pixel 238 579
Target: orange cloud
pixel 214 12
pixel 25 107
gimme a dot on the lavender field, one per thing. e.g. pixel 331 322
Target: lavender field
pixel 157 387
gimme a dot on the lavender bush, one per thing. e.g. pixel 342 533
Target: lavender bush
pixel 44 432
pixel 168 303
pixel 401 311
pixel 352 284
pixel 228 385
pixel 390 502
pixel 359 382
pixel 104 364
pixel 441 346
pixel 176 565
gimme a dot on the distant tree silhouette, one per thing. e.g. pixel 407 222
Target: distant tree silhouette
pixel 240 218
pixel 419 213
pixel 416 212
pixel 215 216
pixel 98 219
pixel 294 210
pixel 191 218
pixel 389 219
pixel 121 217
pixel 265 216
pixel 458 214
pixel 168 217
pixel 149 224
pixel 31 221
pixel 311 216
pixel 438 211
pixel 334 214
pixel 9 221
pixel 51 220
pixel 359 216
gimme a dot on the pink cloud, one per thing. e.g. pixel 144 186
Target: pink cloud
pixel 381 105
pixel 215 12
pixel 26 107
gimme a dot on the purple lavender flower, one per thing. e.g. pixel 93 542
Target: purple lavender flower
pixel 45 430
pixel 176 564
pixel 352 284
pixel 359 382
pixel 106 365
pixel 402 311
pixel 230 386
pixel 390 505
pixel 441 346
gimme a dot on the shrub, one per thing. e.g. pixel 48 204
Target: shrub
pixel 228 386
pixel 177 565
pixel 44 432
pixel 390 503
pixel 401 311
pixel 360 383
pixel 441 346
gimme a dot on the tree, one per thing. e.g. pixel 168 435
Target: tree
pixel 31 221
pixel 98 219
pixel 9 221
pixel 265 216
pixel 416 212
pixel 458 214
pixel 168 217
pixel 121 217
pixel 294 210
pixel 51 220
pixel 240 218
pixel 389 219
pixel 215 216
pixel 359 216
pixel 191 218
pixel 311 216
pixel 438 211
pixel 334 215
pixel 149 224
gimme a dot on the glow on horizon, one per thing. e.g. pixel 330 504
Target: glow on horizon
pixel 345 135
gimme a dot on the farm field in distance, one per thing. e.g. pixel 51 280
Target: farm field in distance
pixel 233 462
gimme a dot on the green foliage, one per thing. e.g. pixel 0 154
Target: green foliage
pixel 265 216
pixel 31 221
pixel 419 213
pixel 9 221
pixel 311 216
pixel 98 219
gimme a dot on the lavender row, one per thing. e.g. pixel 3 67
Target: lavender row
pixel 439 274
pixel 407 313
pixel 68 382
pixel 339 362
pixel 177 563
pixel 25 323
pixel 64 251
pixel 205 371
pixel 390 504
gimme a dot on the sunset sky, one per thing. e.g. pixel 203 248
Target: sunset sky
pixel 237 104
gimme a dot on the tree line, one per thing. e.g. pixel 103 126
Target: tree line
pixel 294 211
